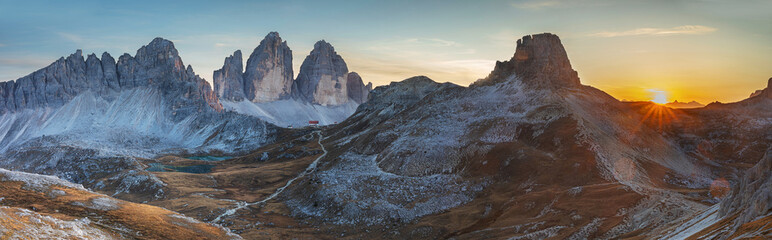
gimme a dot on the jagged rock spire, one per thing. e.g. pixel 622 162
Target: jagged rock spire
pixel 267 77
pixel 228 81
pixel 268 74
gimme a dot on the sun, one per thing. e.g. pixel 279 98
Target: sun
pixel 658 96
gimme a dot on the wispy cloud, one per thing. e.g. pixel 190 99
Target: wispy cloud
pixel 680 30
pixel 413 43
pixel 2 45
pixel 505 38
pixel 432 42
pixel 419 47
pixel 71 37
pixel 536 4
pixel 25 62
pixel 220 44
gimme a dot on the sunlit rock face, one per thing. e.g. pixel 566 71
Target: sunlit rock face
pixel 541 62
pixel 268 75
pixel 322 78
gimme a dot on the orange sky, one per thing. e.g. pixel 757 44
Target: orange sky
pixel 701 50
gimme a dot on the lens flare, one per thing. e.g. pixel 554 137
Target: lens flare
pixel 658 116
pixel 658 96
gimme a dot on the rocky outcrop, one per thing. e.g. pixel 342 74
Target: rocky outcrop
pixel 398 96
pixel 228 81
pixel 540 61
pixel 357 90
pixel 156 65
pixel 752 196
pixel 767 92
pixel 268 75
pixel 322 78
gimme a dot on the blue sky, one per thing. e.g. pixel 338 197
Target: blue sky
pixel 693 50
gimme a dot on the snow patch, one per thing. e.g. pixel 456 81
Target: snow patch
pixel 293 112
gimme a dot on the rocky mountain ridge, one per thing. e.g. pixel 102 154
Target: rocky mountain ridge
pixel 677 104
pixel 156 65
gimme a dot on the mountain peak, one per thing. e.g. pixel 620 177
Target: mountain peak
pixel 273 38
pixel 323 45
pixel 764 92
pixel 160 41
pixel 273 35
pixel 540 61
pixel 228 81
pixel 323 77
pixel 769 83
pixel 268 73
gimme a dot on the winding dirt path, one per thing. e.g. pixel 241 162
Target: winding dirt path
pixel 311 167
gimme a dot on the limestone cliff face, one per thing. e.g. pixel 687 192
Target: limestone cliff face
pixel 268 75
pixel 540 61
pixel 357 90
pixel 228 81
pixel 767 92
pixel 323 77
pixel 156 65
pixel 752 196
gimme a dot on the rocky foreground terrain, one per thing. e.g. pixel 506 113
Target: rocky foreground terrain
pixel 525 153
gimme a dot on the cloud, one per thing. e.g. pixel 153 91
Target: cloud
pixel 220 44
pixel 25 62
pixel 536 4
pixel 432 42
pixel 505 37
pixel 418 44
pixel 71 37
pixel 2 45
pixel 680 30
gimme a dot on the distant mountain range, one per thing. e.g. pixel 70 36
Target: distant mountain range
pixel 677 104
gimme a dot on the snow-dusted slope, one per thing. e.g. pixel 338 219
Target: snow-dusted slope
pixel 93 131
pixel 136 123
pixel 293 112
pixel 157 104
